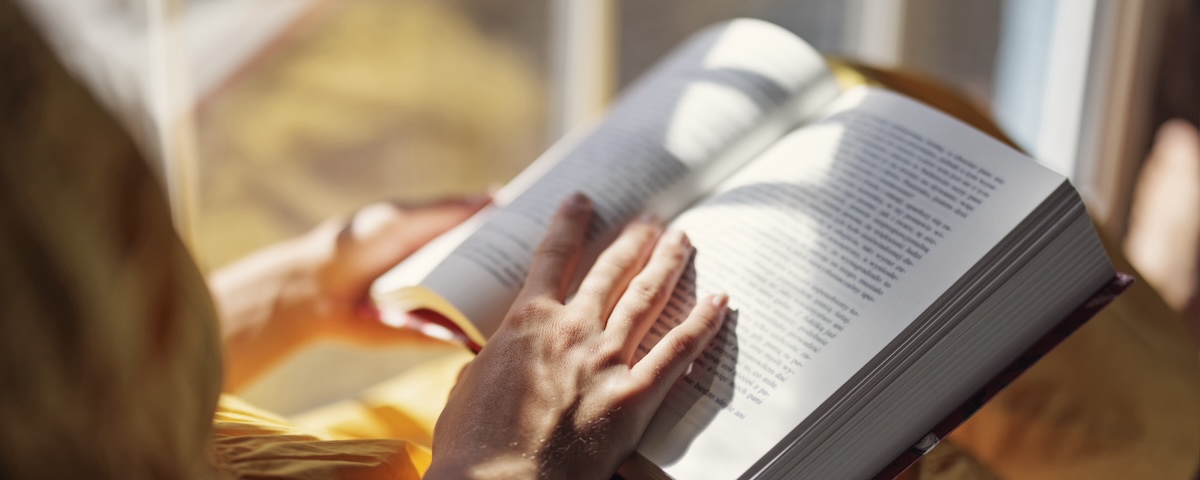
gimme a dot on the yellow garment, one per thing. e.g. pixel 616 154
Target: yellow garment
pixel 406 406
pixel 250 443
pixel 386 433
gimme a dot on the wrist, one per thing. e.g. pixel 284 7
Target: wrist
pixel 260 318
pixel 494 467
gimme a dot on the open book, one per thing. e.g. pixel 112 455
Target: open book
pixel 884 261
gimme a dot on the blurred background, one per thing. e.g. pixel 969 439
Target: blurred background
pixel 268 116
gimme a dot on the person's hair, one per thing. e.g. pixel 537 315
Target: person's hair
pixel 109 364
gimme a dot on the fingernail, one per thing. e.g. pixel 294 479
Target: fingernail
pixel 576 202
pixel 718 300
pixel 676 237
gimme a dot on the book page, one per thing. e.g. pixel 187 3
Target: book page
pixel 829 244
pixel 725 96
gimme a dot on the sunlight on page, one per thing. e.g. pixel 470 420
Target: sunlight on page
pixel 757 218
pixel 778 62
pixel 690 137
pixel 820 145
pixel 698 116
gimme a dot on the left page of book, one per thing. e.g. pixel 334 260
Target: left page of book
pixel 717 101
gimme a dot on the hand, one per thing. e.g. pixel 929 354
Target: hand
pixel 283 297
pixel 557 393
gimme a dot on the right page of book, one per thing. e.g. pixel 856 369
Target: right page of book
pixel 829 244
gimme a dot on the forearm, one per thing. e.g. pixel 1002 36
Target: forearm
pixel 259 321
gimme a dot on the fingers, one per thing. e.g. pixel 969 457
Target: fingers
pixel 641 304
pixel 617 266
pixel 426 222
pixel 555 259
pixel 379 236
pixel 667 361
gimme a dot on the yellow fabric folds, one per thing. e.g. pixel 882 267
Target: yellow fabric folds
pixel 250 443
pixel 385 433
